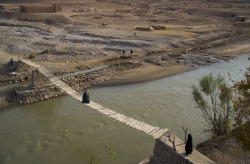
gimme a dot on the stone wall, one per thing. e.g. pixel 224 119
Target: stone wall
pixel 41 9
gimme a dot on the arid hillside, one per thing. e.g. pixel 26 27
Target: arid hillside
pixel 88 33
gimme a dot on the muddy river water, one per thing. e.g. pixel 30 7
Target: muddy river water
pixel 62 130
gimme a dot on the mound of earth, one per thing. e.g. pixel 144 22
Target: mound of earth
pixel 224 150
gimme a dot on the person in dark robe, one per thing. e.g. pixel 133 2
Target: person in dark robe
pixel 123 51
pixel 189 145
pixel 131 51
pixel 11 62
pixel 85 97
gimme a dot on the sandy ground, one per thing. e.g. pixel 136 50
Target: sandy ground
pixel 77 40
pixel 146 73
pixel 234 50
pixel 224 150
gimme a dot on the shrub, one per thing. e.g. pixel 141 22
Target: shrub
pixel 159 27
pixel 213 97
pixel 241 104
pixel 46 51
pixel 142 29
pixel 32 56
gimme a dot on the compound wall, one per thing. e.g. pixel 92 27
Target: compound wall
pixel 41 9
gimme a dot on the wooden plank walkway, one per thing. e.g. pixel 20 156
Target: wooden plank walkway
pixel 153 131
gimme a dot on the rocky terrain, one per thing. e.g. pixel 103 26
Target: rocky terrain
pixel 26 95
pixel 88 32
pixel 224 150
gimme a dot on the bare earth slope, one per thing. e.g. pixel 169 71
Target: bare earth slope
pixel 89 33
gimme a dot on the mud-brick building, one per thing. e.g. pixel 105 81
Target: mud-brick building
pixel 41 8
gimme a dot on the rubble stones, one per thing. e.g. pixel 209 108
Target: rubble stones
pixel 28 95
pixel 89 79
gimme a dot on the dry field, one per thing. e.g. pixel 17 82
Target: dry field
pixel 77 40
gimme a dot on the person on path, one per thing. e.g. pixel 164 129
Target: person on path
pixel 85 97
pixel 131 51
pixel 189 145
pixel 123 52
pixel 11 62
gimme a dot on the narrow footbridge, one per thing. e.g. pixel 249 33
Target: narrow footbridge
pixel 153 131
pixel 156 132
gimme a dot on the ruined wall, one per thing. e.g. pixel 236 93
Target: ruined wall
pixel 41 9
pixel 40 89
pixel 57 8
pixel 38 79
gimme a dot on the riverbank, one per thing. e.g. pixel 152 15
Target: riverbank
pixel 125 72
pixel 153 72
pixel 143 74
pixel 224 150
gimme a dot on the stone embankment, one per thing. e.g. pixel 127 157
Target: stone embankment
pixel 94 78
pixel 15 72
pixel 89 79
pixel 40 89
pixel 7 98
pixel 28 94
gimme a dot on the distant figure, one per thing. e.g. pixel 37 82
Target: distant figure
pixel 191 13
pixel 11 62
pixel 131 51
pixel 85 97
pixel 123 52
pixel 189 145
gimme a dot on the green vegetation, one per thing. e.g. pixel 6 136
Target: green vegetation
pixel 241 103
pixel 32 56
pixel 101 158
pixel 159 27
pixel 142 29
pixel 214 97
pixel 218 111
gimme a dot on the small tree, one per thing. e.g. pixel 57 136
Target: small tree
pixel 241 104
pixel 213 97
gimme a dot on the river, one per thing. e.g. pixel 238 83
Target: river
pixel 62 130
